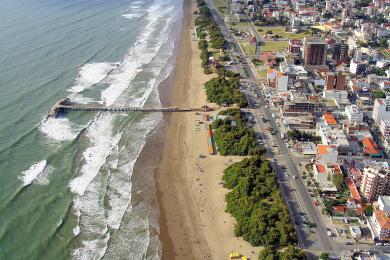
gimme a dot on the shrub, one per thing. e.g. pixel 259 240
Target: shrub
pixel 256 203
pixel 222 90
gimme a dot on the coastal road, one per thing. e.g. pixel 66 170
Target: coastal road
pixel 322 242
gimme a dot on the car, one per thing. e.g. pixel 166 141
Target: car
pixel 378 244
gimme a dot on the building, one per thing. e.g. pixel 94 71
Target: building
pixel 314 52
pixel 357 67
pixel 381 110
pixel 323 174
pixel 370 148
pixel 356 233
pixel 375 182
pixel 281 82
pixel 334 137
pixel 335 81
pixel 379 223
pixel 354 115
pixel 384 127
pixel 329 119
pixel 294 47
pixel 327 154
pixel 340 52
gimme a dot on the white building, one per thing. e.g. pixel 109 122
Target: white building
pixel 354 115
pixel 281 83
pixel 384 127
pixel 381 110
pixel 334 137
pixel 355 232
pixel 327 154
pixel 357 67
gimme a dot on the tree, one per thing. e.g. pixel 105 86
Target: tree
pixel 324 256
pixel 292 253
pixel 268 253
pixel 368 210
pixel 269 32
pixel 338 181
pixel 378 94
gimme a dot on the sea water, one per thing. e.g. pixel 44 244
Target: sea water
pixel 66 187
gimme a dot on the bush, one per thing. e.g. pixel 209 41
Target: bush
pixel 233 137
pixel 221 90
pixel 256 204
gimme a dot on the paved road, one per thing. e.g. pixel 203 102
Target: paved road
pixel 322 241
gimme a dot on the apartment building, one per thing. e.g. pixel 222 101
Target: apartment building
pixel 354 114
pixel 375 182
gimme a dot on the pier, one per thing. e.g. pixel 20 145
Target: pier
pixel 66 105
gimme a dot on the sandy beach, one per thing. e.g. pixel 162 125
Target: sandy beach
pixel 193 224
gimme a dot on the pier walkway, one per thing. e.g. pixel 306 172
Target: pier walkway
pixel 65 105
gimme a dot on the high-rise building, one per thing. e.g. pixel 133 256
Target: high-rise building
pixel 375 183
pixel 340 52
pixel 314 52
pixel 335 81
pixel 381 110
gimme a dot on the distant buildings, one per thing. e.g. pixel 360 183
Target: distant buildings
pixel 340 52
pixel 381 110
pixel 335 81
pixel 357 67
pixel 375 182
pixel 354 115
pixel 379 223
pixel 314 52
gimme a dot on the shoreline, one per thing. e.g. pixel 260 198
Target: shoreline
pixel 191 199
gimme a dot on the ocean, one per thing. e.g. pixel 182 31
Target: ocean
pixel 66 184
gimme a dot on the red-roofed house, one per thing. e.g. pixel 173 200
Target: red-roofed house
pixel 370 148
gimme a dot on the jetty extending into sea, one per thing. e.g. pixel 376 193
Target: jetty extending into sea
pixel 65 104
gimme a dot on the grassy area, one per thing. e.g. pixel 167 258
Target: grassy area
pixel 220 3
pixel 262 74
pixel 280 30
pixel 249 49
pixel 385 53
pixel 240 25
pixel 274 46
pixel 257 62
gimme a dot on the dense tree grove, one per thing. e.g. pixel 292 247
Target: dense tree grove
pixel 256 203
pixel 302 136
pixel 233 137
pixel 205 22
pixel 222 90
pixel 290 253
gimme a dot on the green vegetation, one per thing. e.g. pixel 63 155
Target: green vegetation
pixel 338 181
pixel 303 136
pixel 290 253
pixel 233 137
pixel 257 62
pixel 378 94
pixel 257 205
pixel 262 74
pixel 368 210
pixel 205 25
pixel 225 91
pixel 281 32
pixel 274 46
pixel 249 49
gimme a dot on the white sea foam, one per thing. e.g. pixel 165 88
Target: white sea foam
pixel 95 156
pixel 105 177
pixel 80 99
pixel 43 177
pixel 90 74
pixel 58 129
pixel 139 55
pixel 32 173
pixel 132 15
